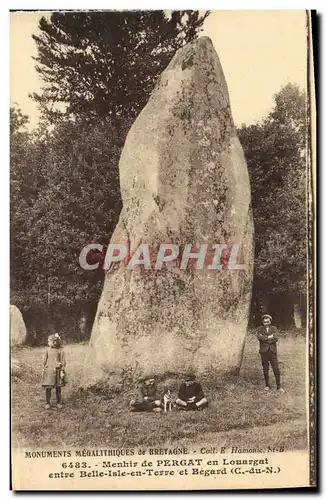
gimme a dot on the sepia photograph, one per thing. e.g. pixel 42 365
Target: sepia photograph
pixel 162 253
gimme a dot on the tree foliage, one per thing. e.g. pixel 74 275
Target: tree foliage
pixel 78 203
pixel 275 150
pixel 105 64
pixel 26 181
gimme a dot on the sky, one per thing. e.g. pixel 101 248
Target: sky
pixel 260 52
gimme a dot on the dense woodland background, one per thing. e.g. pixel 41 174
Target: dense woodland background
pixel 98 70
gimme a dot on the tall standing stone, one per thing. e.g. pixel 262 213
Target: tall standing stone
pixel 183 179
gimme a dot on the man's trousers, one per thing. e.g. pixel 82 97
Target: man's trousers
pixel 270 358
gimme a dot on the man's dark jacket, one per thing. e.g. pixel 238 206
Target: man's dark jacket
pixel 266 343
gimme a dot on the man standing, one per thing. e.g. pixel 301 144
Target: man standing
pixel 267 336
pixel 191 395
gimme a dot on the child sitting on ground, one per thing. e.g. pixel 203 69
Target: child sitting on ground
pixel 191 395
pixel 54 370
pixel 148 399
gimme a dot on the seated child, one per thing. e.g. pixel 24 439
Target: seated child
pixel 191 395
pixel 148 399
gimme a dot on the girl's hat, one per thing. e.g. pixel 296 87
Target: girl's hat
pixel 267 316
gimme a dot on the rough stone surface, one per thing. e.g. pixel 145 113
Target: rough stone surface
pixel 16 369
pixel 17 327
pixel 183 179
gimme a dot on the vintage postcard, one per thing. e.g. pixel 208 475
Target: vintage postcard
pixel 162 250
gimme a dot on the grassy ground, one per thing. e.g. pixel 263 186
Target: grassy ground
pixel 240 415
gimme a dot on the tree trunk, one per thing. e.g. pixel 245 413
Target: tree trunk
pixel 82 327
pixel 297 316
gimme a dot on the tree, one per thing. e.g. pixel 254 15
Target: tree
pixel 79 203
pixel 19 143
pixel 105 64
pixel 18 121
pixel 26 182
pixel 275 150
